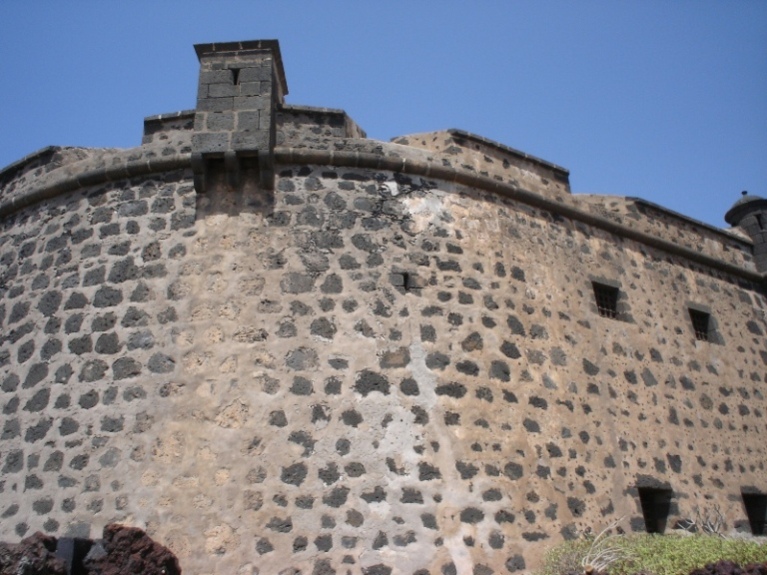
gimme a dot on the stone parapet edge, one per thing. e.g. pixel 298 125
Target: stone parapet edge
pixel 559 170
pixel 686 219
pixel 283 155
pixel 67 183
pixel 171 116
pixel 10 171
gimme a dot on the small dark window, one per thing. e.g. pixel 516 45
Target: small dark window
pixel 756 509
pixel 759 221
pixel 656 504
pixel 408 281
pixel 607 300
pixel 700 324
pixel 235 76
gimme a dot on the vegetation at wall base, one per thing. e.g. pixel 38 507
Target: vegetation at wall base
pixel 663 555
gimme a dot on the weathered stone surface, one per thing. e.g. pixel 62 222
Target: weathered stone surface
pixel 362 362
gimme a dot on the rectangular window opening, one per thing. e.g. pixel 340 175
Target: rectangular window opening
pixel 606 298
pixel 759 221
pixel 656 504
pixel 235 76
pixel 756 509
pixel 700 324
pixel 407 281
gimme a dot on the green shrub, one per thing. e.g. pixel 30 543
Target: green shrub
pixel 657 554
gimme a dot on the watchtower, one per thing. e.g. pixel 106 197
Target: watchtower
pixel 240 86
pixel 750 214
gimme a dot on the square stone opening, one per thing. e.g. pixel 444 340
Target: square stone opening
pixel 656 504
pixel 407 281
pixel 756 510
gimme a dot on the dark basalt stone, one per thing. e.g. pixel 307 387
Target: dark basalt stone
pixel 122 550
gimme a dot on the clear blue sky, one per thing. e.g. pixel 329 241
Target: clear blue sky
pixel 666 100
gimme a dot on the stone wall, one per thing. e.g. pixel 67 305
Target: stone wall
pixel 87 346
pixel 363 370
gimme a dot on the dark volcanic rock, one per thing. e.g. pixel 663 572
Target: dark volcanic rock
pixel 34 555
pixel 129 550
pixel 122 550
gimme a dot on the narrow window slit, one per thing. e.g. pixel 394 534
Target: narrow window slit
pixel 235 76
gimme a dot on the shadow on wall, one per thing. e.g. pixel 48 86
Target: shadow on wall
pixel 234 196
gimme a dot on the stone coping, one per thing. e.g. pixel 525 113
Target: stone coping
pixel 171 116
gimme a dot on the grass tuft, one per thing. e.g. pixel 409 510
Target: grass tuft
pixel 653 554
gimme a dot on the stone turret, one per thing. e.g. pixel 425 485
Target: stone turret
pixel 241 84
pixel 750 214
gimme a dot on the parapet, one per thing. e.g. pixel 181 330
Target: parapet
pixel 492 159
pixel 164 127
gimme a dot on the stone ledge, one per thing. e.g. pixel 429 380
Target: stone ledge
pixel 124 166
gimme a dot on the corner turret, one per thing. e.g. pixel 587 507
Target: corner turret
pixel 750 214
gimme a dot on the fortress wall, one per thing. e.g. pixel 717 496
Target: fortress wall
pixel 25 174
pixel 86 348
pixel 369 370
pixel 349 369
